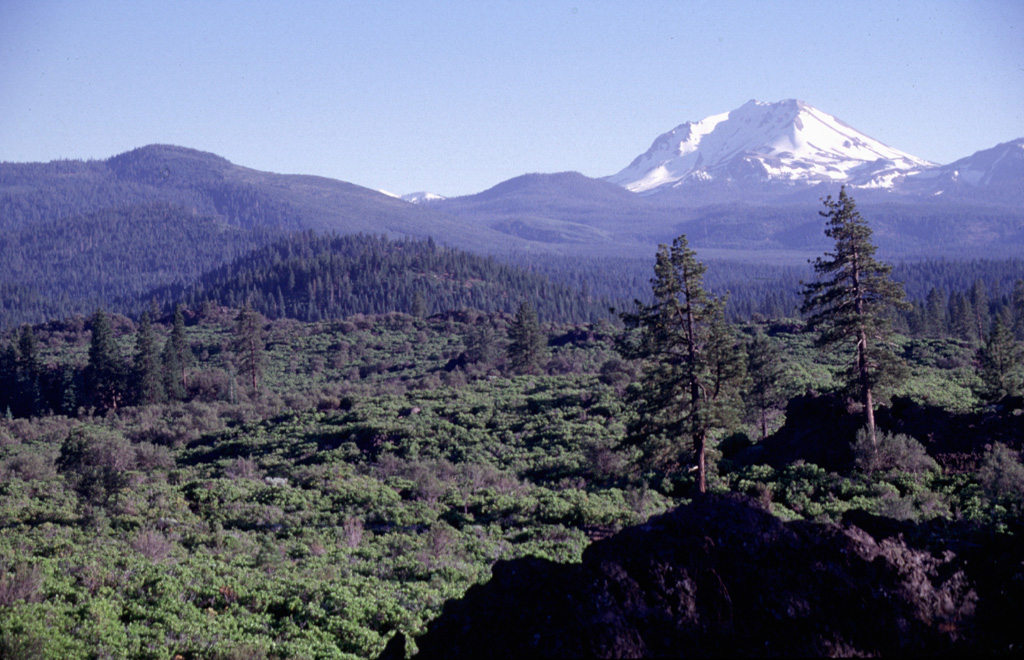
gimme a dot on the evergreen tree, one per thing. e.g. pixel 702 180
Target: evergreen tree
pixel 1001 364
pixel 8 376
pixel 850 301
pixel 770 383
pixel 29 369
pixel 979 305
pixel 915 320
pixel 961 318
pixel 249 343
pixel 419 304
pixel 689 382
pixel 1017 303
pixel 527 341
pixel 172 372
pixel 104 375
pixel 727 366
pixel 481 345
pixel 70 380
pixel 177 358
pixel 935 313
pixel 148 376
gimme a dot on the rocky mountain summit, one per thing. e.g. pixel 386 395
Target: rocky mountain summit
pixel 721 576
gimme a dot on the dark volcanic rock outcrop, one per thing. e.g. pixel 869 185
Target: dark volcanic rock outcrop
pixel 821 429
pixel 721 577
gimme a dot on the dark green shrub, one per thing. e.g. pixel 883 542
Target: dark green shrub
pixel 27 467
pixel 96 461
pixel 1001 474
pixel 893 452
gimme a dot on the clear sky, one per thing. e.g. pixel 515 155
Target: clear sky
pixel 454 97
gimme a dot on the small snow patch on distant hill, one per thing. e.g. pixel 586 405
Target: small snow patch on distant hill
pixel 422 197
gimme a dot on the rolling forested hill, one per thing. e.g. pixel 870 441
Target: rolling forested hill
pixel 76 235
pixel 312 277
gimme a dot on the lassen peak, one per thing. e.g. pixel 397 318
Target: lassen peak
pixel 787 141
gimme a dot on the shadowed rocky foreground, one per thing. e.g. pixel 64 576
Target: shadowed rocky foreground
pixel 722 577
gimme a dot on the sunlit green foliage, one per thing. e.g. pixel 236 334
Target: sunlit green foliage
pixel 381 466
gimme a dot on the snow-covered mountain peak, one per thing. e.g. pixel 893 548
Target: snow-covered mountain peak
pixel 788 141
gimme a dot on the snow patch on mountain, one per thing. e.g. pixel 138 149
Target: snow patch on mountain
pixel 788 141
pixel 422 197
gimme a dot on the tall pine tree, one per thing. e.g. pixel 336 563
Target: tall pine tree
pixel 849 303
pixel 527 341
pixel 691 365
pixel 1017 303
pixel 182 354
pixel 249 343
pixel 770 383
pixel 29 374
pixel 979 305
pixel 935 313
pixel 148 376
pixel 1001 364
pixel 104 375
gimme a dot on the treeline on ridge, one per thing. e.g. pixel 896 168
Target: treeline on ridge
pixel 313 277
pixel 770 291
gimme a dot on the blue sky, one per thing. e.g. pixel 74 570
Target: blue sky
pixel 454 97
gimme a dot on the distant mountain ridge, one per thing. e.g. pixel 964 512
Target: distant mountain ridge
pixel 206 184
pixel 743 186
pixel 997 173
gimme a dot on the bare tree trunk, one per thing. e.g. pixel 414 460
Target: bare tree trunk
pixel 869 410
pixel 698 442
pixel 865 384
pixel 862 355
pixel 252 362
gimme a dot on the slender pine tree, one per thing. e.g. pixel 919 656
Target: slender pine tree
pixel 148 376
pixel 770 382
pixel 850 302
pixel 1017 303
pixel 249 343
pixel 692 367
pixel 182 353
pixel 29 374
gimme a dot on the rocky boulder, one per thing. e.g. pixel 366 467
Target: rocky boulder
pixel 722 577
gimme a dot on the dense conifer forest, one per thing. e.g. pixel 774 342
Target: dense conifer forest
pixel 320 441
pixel 311 277
pixel 111 258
